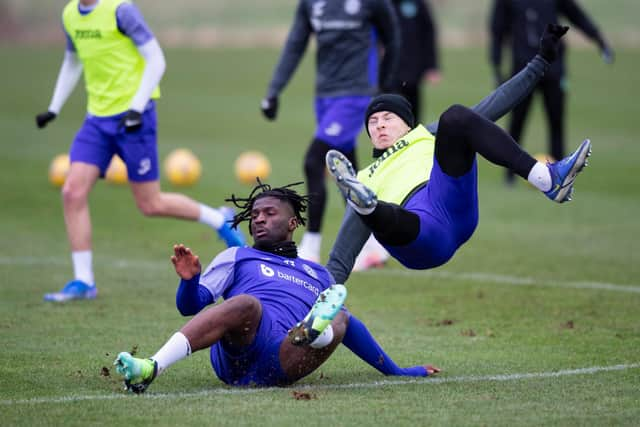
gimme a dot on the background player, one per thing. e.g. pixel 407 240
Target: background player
pixel 123 64
pixel 520 24
pixel 346 35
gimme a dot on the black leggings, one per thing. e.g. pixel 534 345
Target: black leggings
pixel 314 170
pixel 461 134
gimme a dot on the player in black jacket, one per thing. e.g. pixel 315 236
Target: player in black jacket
pixel 419 53
pixel 348 74
pixel 520 23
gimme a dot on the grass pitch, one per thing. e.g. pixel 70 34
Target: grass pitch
pixel 535 321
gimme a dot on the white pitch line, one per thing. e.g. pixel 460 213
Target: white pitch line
pixel 125 264
pixel 504 279
pixel 310 387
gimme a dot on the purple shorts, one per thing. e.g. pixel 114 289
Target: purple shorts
pixel 448 212
pixel 100 138
pixel 255 365
pixel 340 120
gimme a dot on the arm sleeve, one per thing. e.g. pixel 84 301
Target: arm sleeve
pixel 292 53
pixel 359 340
pixel 68 77
pixel 579 18
pixel 192 297
pixel 509 94
pixel 352 235
pixel 153 71
pixel 204 289
pixel 387 26
pixel 131 23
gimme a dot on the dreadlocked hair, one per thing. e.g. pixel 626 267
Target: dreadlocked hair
pixel 297 201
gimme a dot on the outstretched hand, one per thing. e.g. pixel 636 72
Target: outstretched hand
pixel 186 263
pixel 550 41
pixel 431 370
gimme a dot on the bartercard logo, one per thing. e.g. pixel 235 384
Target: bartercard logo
pixel 266 271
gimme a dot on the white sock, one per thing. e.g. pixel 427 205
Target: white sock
pixel 210 216
pixel 82 266
pixel 310 246
pixel 324 339
pixel 177 348
pixel 540 177
pixel 361 211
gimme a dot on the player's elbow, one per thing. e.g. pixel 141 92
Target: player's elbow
pixel 186 309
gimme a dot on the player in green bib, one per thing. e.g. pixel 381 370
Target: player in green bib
pixel 122 62
pixel 419 197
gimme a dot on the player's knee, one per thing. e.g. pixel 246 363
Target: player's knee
pixel 244 308
pixel 455 117
pixel 73 195
pixel 149 207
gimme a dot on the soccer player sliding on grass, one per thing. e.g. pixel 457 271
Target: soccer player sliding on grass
pixel 255 335
pixel 420 196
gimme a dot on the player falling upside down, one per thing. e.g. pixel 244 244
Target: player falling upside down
pixel 420 196
pixel 267 289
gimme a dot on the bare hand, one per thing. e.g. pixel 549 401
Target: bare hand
pixel 432 370
pixel 433 76
pixel 186 263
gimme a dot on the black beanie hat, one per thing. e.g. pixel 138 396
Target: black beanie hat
pixel 390 102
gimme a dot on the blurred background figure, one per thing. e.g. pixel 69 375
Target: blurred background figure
pixel 348 73
pixel 111 44
pixel 520 24
pixel 419 53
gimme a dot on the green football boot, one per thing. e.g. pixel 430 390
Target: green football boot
pixel 138 373
pixel 322 313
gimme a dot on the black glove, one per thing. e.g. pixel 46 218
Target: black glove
pixel 43 118
pixel 549 41
pixel 131 121
pixel 607 54
pixel 269 107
